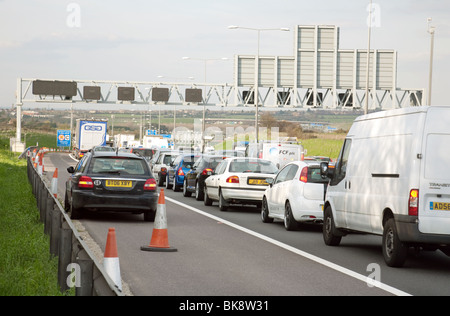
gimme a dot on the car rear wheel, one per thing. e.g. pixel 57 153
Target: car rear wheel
pixel 207 201
pixel 168 187
pixel 199 193
pixel 161 181
pixel 289 221
pixel 265 212
pixel 74 212
pixel 175 187
pixel 149 216
pixel 186 193
pixel 223 206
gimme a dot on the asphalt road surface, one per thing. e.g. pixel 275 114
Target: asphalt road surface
pixel 234 253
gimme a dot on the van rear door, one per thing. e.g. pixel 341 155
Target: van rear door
pixel 434 191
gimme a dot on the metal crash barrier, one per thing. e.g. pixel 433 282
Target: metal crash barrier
pixel 77 265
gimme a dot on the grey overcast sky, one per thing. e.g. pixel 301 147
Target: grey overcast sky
pixel 139 40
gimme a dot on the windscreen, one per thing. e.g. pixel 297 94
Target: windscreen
pixel 253 166
pixel 118 165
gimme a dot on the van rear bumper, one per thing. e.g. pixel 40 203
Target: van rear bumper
pixel 408 232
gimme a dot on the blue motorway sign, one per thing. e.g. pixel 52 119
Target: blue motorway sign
pixel 63 138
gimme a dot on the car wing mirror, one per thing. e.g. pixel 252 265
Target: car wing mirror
pixel 71 169
pixel 326 171
pixel 269 181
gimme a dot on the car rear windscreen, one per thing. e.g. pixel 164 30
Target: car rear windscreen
pixel 118 165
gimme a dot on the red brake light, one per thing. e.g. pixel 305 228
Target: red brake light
pixel 207 171
pixel 163 170
pixel 150 185
pixel 413 203
pixel 233 179
pixel 304 175
pixel 180 172
pixel 85 182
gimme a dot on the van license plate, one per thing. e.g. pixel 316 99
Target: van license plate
pixel 118 184
pixel 439 206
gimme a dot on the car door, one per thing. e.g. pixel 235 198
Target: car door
pixel 214 180
pixel 273 198
pixel 171 172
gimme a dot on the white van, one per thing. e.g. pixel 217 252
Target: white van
pixel 392 179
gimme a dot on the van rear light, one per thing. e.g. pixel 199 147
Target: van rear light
pixel 207 171
pixel 85 182
pixel 304 175
pixel 233 179
pixel 413 204
pixel 150 185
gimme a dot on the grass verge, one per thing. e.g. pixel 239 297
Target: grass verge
pixel 26 266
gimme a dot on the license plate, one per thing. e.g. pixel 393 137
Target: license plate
pixel 257 182
pixel 118 183
pixel 439 206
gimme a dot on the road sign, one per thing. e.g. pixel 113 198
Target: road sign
pixel 63 138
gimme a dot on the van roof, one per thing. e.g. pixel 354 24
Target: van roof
pixel 402 111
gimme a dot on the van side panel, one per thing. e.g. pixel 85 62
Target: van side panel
pixel 434 192
pixel 381 162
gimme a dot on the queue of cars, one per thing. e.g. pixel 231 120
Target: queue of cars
pixel 294 194
pixel 126 180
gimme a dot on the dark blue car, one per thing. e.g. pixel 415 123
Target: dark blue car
pixel 178 168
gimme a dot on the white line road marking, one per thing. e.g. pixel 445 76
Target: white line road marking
pixel 299 252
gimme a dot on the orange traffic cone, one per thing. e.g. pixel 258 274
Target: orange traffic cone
pixel 55 183
pixel 160 238
pixel 111 258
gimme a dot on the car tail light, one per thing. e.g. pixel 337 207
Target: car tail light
pixel 180 172
pixel 207 171
pixel 304 175
pixel 85 182
pixel 233 179
pixel 163 170
pixel 413 204
pixel 150 185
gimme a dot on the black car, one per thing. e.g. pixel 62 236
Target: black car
pixel 194 180
pixel 111 181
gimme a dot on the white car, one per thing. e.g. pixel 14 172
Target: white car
pixel 296 195
pixel 161 165
pixel 239 180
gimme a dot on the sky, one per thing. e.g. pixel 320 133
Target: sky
pixel 141 40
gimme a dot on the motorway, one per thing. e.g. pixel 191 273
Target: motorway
pixel 234 253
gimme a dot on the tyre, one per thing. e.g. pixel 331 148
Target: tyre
pixel 168 187
pixel 329 229
pixel 394 251
pixel 175 187
pixel 74 213
pixel 207 201
pixel 161 181
pixel 186 193
pixel 199 192
pixel 223 206
pixel 149 216
pixel 265 212
pixel 289 221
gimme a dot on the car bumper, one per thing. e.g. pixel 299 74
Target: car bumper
pixel 91 201
pixel 307 210
pixel 234 195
